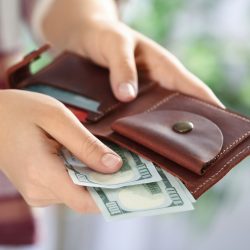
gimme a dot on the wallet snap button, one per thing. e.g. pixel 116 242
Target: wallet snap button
pixel 183 126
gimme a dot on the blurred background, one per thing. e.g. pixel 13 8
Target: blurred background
pixel 211 38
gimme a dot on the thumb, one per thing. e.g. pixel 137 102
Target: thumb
pixel 123 73
pixel 67 130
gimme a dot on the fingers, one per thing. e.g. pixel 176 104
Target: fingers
pixel 75 197
pixel 64 127
pixel 121 62
pixel 192 85
pixel 43 179
pixel 169 72
pixel 38 196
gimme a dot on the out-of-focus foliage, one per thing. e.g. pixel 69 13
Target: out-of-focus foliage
pixel 155 18
pixel 189 30
pixel 222 63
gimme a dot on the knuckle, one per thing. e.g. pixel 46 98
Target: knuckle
pixel 31 198
pixel 31 203
pixel 121 37
pixel 50 103
pixel 117 37
pixel 50 108
pixel 128 69
pixel 56 109
pixel 90 147
pixel 36 203
pixel 81 207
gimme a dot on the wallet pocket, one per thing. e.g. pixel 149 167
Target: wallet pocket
pixel 216 142
pixel 188 139
pixel 74 74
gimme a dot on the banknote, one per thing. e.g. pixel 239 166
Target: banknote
pixel 186 191
pixel 135 170
pixel 166 196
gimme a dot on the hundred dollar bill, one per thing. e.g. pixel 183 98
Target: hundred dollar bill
pixel 186 191
pixel 166 196
pixel 184 188
pixel 135 170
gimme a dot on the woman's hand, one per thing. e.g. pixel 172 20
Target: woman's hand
pixel 92 29
pixel 118 47
pixel 33 127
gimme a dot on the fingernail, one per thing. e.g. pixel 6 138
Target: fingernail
pixel 111 161
pixel 127 90
pixel 222 105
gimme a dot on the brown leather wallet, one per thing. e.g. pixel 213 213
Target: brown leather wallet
pixel 192 139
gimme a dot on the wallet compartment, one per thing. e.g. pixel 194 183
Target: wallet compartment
pixel 80 76
pixel 219 140
pixel 194 149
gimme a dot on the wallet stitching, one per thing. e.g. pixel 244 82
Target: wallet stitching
pixel 220 170
pixel 114 106
pixel 161 102
pixel 223 110
pixel 235 115
pixel 165 99
pixel 211 106
pixel 96 117
pixel 111 107
pixel 231 145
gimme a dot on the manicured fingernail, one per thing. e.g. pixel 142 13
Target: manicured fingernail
pixel 127 90
pixel 111 161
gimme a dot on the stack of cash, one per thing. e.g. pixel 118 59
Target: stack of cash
pixel 139 188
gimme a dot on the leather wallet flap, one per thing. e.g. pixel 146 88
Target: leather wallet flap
pixel 218 140
pixel 158 130
pixel 78 75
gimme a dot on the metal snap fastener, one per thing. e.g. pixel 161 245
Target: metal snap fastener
pixel 183 126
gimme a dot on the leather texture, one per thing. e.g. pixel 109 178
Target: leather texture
pixel 70 72
pixel 155 130
pixel 219 140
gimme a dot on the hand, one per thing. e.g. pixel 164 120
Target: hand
pixel 114 45
pixel 33 127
